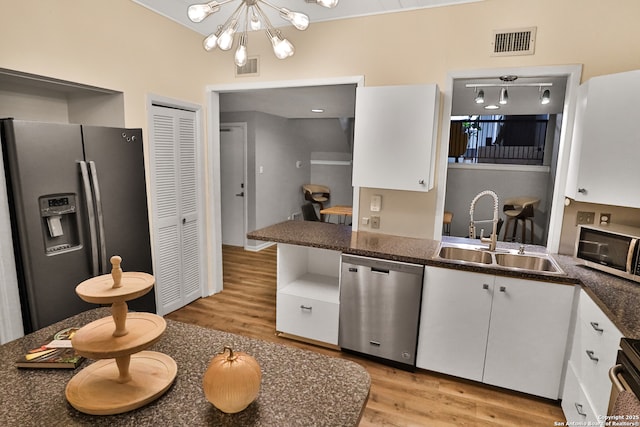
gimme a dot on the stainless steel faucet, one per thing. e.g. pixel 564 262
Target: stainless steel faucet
pixel 492 240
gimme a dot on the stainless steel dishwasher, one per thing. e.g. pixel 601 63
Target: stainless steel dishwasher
pixel 380 308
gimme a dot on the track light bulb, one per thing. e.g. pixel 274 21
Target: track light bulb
pixel 504 96
pixel 546 97
pixel 480 97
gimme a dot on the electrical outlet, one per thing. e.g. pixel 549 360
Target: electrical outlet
pixel 605 219
pixel 375 221
pixel 585 217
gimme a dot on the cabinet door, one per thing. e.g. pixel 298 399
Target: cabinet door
pixel 607 139
pixel 394 137
pixel 528 335
pixel 454 320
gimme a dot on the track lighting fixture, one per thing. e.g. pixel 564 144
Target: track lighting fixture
pixel 507 82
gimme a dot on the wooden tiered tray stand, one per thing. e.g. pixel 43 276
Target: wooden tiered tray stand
pixel 126 376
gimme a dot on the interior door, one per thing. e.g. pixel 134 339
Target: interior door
pixel 232 187
pixel 178 238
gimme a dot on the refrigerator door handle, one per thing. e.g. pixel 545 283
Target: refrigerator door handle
pixel 92 219
pixel 104 269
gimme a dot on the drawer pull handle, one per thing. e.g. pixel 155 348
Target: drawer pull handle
pixel 503 289
pixel 376 343
pixel 591 353
pixel 597 327
pixel 485 286
pixel 580 411
pixel 306 307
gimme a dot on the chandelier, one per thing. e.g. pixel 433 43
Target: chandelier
pixel 250 15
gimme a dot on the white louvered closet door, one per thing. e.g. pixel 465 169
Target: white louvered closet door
pixel 174 186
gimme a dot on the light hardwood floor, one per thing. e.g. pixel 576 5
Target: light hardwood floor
pixel 246 306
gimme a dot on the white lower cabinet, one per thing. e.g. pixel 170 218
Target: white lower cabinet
pixel 454 322
pixel 502 331
pixel 308 295
pixel 528 335
pixel 596 341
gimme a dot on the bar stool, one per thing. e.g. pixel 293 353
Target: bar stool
pixel 446 223
pixel 519 209
pixel 318 194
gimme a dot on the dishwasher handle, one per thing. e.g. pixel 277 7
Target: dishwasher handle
pixel 379 270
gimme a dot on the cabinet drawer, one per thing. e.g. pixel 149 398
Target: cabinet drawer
pixel 596 337
pixel 575 405
pixel 308 318
pixel 597 323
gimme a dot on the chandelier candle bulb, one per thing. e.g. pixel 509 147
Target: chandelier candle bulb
pixel 211 42
pixel 241 52
pixel 225 41
pixel 327 3
pixel 199 12
pixel 299 20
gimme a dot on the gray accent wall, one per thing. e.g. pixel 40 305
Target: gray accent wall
pixel 279 161
pixel 463 183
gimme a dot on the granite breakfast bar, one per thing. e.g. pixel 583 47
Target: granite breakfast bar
pixel 299 388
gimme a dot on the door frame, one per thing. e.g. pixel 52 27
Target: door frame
pixel 573 74
pixel 213 152
pixel 245 204
pixel 203 244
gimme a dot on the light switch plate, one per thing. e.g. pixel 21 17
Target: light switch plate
pixel 376 203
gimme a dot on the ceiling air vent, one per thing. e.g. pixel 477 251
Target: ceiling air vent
pixel 248 69
pixel 514 42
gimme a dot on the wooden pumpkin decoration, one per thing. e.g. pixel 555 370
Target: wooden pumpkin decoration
pixel 232 381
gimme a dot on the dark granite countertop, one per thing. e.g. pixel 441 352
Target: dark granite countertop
pixel 619 298
pixel 299 388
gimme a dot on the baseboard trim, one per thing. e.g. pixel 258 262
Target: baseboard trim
pixel 260 247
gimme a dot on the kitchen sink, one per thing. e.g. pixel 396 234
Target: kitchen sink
pixel 465 255
pixel 527 262
pixel 503 259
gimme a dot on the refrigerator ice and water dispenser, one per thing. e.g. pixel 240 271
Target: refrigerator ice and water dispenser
pixel 59 222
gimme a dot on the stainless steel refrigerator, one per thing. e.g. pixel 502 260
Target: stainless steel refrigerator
pixel 77 196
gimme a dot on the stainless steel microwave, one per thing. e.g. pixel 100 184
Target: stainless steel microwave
pixel 611 248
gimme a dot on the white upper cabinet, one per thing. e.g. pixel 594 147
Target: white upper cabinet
pixel 395 137
pixel 606 141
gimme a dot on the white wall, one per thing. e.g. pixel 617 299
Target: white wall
pixel 333 170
